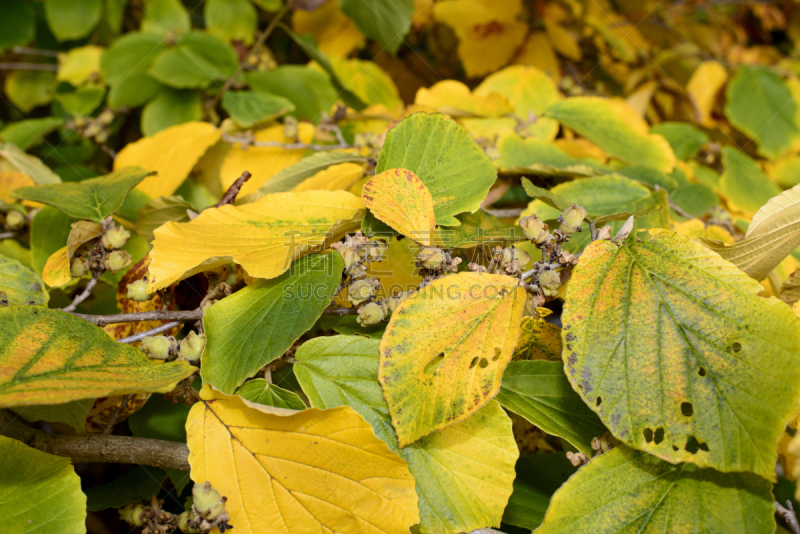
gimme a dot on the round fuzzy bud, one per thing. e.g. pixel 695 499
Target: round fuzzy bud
pixel 138 290
pixel 431 257
pixel 132 514
pixel 15 220
pixel 78 267
pixel 534 229
pixel 157 347
pixel 106 116
pixel 376 250
pixel 372 313
pixel 550 281
pixel 208 501
pixel 192 346
pixel 512 253
pixel 395 300
pixel 349 255
pixel 359 292
pixel 571 219
pixel 118 260
pixel 116 238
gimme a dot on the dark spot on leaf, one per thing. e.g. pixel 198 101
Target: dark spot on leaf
pixel 496 354
pixel 484 363
pixel 658 437
pixel 686 409
pixel 693 445
pixel 569 337
pixel 701 371
pixel 737 347
pixel 648 435
pixel 598 401
pixel 474 362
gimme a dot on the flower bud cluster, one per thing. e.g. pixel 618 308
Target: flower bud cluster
pixel 208 511
pixel 96 128
pixel 357 251
pixel 15 220
pixel 162 347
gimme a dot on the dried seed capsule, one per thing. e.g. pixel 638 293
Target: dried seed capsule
pixel 192 346
pixel 359 292
pixel 571 219
pixel 376 250
pixel 431 257
pixel 78 267
pixel 372 313
pixel 138 290
pixel 115 238
pixel 15 220
pixel 208 501
pixel 118 260
pixel 534 229
pixel 349 255
pixel 132 514
pixel 395 300
pixel 157 347
pixel 512 253
pixel 550 281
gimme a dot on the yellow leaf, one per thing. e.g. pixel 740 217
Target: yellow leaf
pixel 437 372
pixel 703 87
pixel 455 99
pixel 56 271
pixel 488 37
pixel 695 228
pixel 529 89
pixel 334 178
pixel 400 199
pixel 624 39
pixel 538 340
pixel 397 273
pixel 10 180
pixel 172 153
pixel 263 162
pixel 537 52
pixel 263 237
pixel 334 32
pixel 282 471
pixel 79 64
pixel 563 40
pixel 367 81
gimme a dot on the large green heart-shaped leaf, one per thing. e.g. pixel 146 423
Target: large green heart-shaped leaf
pixel 626 491
pixel 674 349
pixel 254 326
pixel 447 160
pixel 464 473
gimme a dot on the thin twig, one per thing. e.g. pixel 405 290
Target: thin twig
pixel 98 448
pixel 28 66
pixel 156 315
pixel 340 311
pixel 34 51
pixel 593 230
pixel 257 46
pixel 233 190
pixel 789 516
pixel 248 141
pixel 505 213
pixel 680 211
pixel 121 408
pixel 7 235
pixel 85 294
pixel 152 332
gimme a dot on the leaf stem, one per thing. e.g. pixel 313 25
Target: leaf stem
pixel 233 190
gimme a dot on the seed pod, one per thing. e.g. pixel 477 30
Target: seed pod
pixel 15 220
pixel 372 313
pixel 512 253
pixel 571 219
pixel 137 290
pixel 431 257
pixel 550 281
pixel 118 260
pixel 349 255
pixel 395 300
pixel 208 501
pixel 115 238
pixel 132 514
pixel 157 347
pixel 359 292
pixel 78 267
pixel 192 346
pixel 376 250
pixel 534 229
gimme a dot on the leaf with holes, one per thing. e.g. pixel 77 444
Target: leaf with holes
pixel 674 350
pixel 463 473
pixel 435 373
pixel 307 471
pixel 400 199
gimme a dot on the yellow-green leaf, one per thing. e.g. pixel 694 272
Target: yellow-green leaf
pixel 400 199
pixel 334 178
pixel 50 357
pixel 626 490
pixel 262 392
pixel 454 98
pixel 444 351
pixel 295 472
pixel 20 284
pixel 743 183
pixel 674 349
pixel 538 340
pixel 263 237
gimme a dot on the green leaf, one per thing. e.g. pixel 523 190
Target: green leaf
pixel 159 211
pixel 41 492
pixel 480 228
pixel 291 176
pixel 17 23
pixel 11 248
pixel 615 128
pixel 626 490
pixel 539 391
pixel 131 54
pixel 262 392
pixel 348 325
pixel 444 156
pixel 133 203
pixel 365 80
pixel 542 157
pixel 20 284
pixel 386 21
pixel 171 107
pixel 760 104
pixel 309 90
pixel 676 352
pixel 28 89
pixel 248 108
pixel 30 132
pixel 166 18
pixel 464 473
pixel 743 183
pixel 231 20
pixel 27 164
pixel 649 176
pixel 50 357
pixel 136 485
pixel 93 199
pixel 256 325
pixel 82 101
pixel 71 413
pixel 49 232
pixel 134 91
pixel 697 199
pixel 72 19
pixel 538 477
pixel 197 60
pixel 685 140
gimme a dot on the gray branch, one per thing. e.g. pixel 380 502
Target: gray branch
pixel 156 315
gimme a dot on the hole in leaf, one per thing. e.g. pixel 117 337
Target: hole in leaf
pixel 692 445
pixel 496 354
pixel 598 401
pixel 474 362
pixel 674 448
pixel 704 447
pixel 484 363
pixel 701 371
pixel 648 435
pixel 433 365
pixel 737 347
pixel 686 409
pixel 658 437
